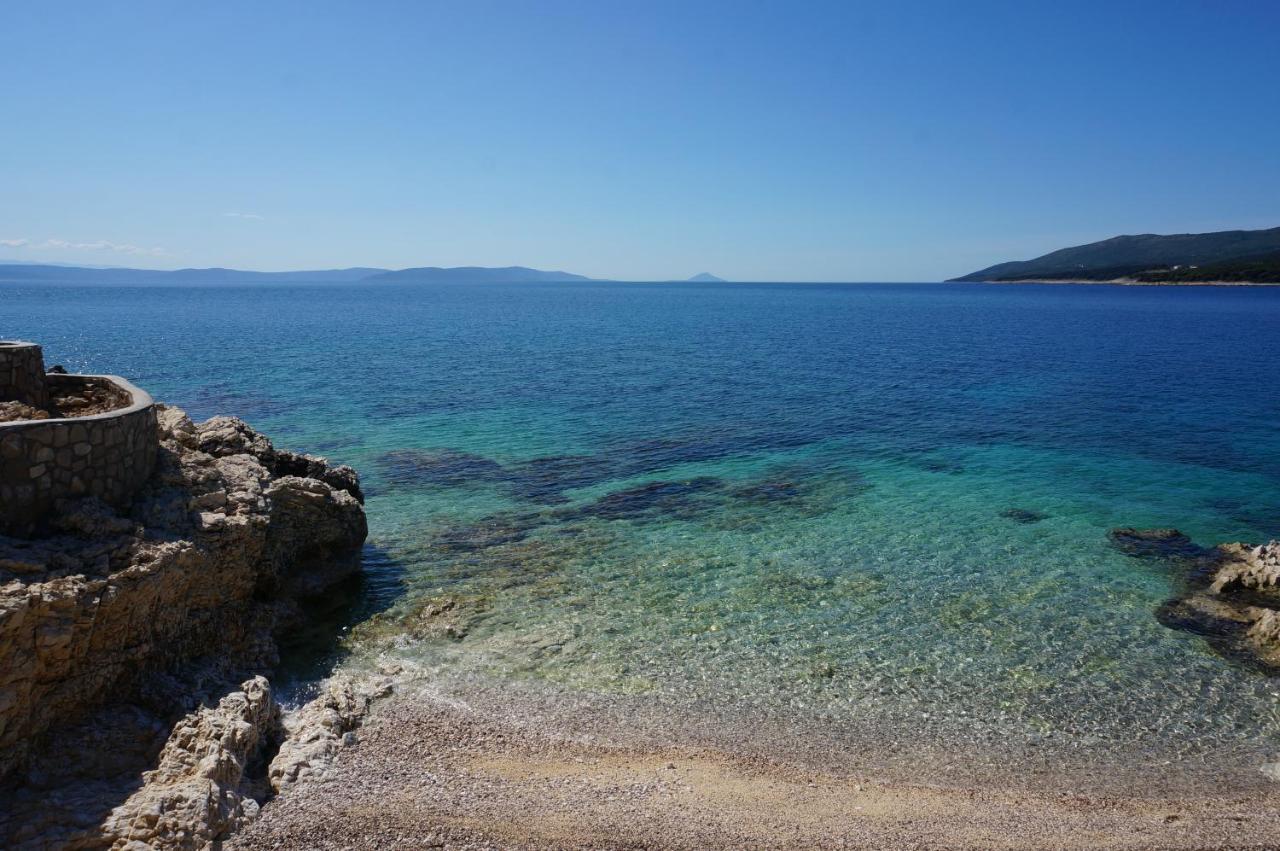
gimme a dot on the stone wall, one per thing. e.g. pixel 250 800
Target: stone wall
pixel 106 455
pixel 22 374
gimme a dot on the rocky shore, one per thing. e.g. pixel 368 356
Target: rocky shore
pixel 137 638
pixel 1229 594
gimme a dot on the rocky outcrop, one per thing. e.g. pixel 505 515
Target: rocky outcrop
pixel 314 734
pixel 1232 598
pixel 213 769
pixel 201 788
pixel 117 607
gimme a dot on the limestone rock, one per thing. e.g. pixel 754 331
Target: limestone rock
pixel 198 567
pixel 198 792
pixel 1232 598
pixel 321 728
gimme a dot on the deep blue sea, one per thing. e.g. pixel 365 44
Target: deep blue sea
pixel 778 506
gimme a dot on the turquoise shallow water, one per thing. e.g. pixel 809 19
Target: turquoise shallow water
pixel 781 504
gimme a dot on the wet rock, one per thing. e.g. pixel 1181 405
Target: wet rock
pixel 450 616
pixel 1232 600
pixel 1023 515
pixel 315 733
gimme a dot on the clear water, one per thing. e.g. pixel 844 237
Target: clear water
pixel 775 504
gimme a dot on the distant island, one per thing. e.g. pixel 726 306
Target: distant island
pixel 31 273
pixel 472 275
pixel 1224 257
pixel 706 278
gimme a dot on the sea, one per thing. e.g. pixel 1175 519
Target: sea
pixel 862 527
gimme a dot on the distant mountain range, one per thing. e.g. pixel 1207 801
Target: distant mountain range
pixel 35 273
pixel 472 275
pixel 1233 256
pixel 14 272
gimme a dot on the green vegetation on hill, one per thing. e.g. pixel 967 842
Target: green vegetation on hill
pixel 1261 269
pixel 1238 256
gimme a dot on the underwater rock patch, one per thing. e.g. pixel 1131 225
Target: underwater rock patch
pixel 492 531
pixel 670 498
pixel 1023 515
pixel 768 491
pixel 1169 544
pixel 442 467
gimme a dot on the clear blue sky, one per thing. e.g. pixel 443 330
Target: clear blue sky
pixel 642 140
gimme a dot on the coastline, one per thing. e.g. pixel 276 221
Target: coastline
pixel 430 771
pixel 1129 282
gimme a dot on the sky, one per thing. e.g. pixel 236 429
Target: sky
pixel 641 140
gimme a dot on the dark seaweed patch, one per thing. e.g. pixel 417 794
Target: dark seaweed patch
pixel 546 479
pixel 439 467
pixel 213 399
pixel 669 498
pixel 768 491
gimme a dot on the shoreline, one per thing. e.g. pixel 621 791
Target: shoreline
pixel 1129 282
pixel 433 771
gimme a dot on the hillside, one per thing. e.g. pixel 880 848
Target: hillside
pixel 1238 256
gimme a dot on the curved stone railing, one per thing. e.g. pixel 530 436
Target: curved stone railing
pixel 106 455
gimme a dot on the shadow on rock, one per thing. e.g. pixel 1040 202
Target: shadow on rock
pixel 316 638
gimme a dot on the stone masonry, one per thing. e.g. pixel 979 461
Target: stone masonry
pixel 106 455
pixel 22 374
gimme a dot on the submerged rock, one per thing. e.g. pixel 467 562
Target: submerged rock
pixel 439 467
pixel 669 498
pixel 1023 515
pixel 1154 544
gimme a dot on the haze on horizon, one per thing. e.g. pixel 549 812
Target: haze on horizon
pixel 837 141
